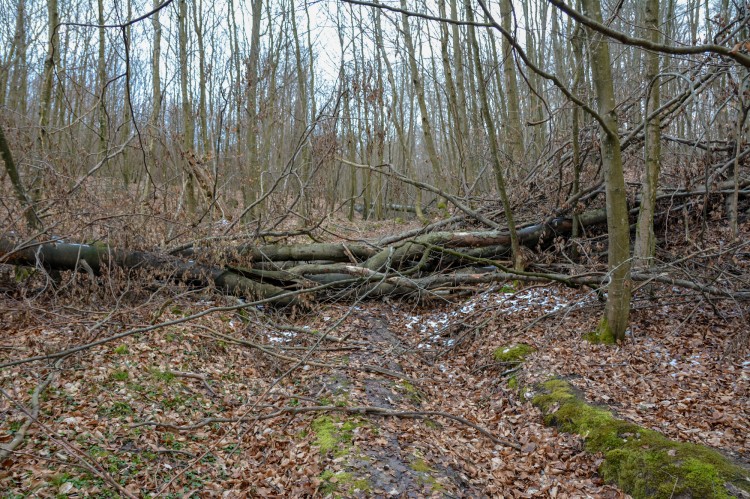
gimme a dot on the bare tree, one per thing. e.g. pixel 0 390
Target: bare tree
pixel 615 321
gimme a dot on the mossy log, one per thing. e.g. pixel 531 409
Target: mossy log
pixel 642 462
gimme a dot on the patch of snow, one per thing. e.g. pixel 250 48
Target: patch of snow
pixel 281 336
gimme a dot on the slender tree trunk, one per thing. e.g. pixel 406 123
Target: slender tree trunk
pixel 645 241
pixel 514 129
pixel 252 188
pixel 300 114
pixel 396 111
pixel 380 130
pixel 126 114
pixel 429 140
pixel 17 61
pixel 10 167
pixel 202 112
pixel 101 72
pixel 463 119
pixel 45 104
pixel 154 119
pixel 492 138
pixel 577 86
pixel 618 292
pixel 188 139
pixel 455 133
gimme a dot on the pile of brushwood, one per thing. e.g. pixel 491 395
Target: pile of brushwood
pixel 440 259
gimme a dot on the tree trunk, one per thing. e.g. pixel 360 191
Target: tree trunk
pixel 514 129
pixel 252 183
pixel 492 138
pixel 618 228
pixel 101 77
pixel 45 101
pixel 10 167
pixel 188 128
pixel 645 241
pixel 429 139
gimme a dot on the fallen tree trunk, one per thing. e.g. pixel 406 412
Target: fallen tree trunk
pixel 419 264
pixel 387 271
pixel 95 258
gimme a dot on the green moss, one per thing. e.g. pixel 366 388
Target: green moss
pixel 342 482
pixel 23 273
pixel 513 383
pixel 425 476
pixel 432 424
pixel 117 409
pixel 160 375
pixel 412 393
pixel 119 375
pixel 515 353
pixel 332 435
pixel 642 462
pixel 122 350
pixel 420 465
pixel 603 334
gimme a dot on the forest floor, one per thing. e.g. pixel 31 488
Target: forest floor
pixel 218 406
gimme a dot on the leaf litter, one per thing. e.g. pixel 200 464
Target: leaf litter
pixel 183 411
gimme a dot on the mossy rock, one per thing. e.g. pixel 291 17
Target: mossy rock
pixel 642 462
pixel 513 353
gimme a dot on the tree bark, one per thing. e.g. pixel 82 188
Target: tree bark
pixel 645 241
pixel 15 179
pixel 429 139
pixel 188 128
pixel 616 319
pixel 65 256
pixel 45 101
pixel 492 138
pixel 514 130
pixel 101 78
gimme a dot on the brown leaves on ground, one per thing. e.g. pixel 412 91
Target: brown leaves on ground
pixel 680 372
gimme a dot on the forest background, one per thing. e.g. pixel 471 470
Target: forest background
pixel 166 162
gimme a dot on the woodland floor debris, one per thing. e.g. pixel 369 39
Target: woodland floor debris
pixel 676 379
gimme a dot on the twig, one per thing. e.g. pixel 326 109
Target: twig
pixel 264 349
pixel 197 376
pixel 363 410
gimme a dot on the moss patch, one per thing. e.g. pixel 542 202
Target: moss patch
pixel 603 334
pixel 425 474
pixel 334 435
pixel 642 462
pixel 412 393
pixel 513 353
pixel 342 482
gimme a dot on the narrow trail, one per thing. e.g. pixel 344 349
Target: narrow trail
pixel 436 456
